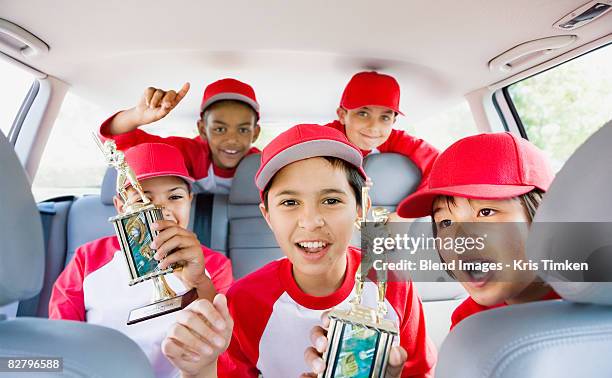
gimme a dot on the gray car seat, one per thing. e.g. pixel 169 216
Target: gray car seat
pixel 569 338
pixel 394 177
pixel 88 216
pixel 251 242
pixel 54 217
pixel 86 349
pixel 69 222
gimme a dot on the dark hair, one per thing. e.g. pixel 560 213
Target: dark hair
pixel 189 185
pixel 354 178
pixel 204 114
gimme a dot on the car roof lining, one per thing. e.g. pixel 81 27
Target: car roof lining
pixel 298 57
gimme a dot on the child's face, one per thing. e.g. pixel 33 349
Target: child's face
pixel 230 128
pixel 504 246
pixel 169 192
pixel 367 127
pixel 311 211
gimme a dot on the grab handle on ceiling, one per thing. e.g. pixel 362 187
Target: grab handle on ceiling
pixel 30 45
pixel 529 51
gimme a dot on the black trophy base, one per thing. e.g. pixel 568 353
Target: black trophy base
pixel 162 307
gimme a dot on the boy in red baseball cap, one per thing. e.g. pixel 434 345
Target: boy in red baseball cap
pixel 93 287
pixel 496 177
pixel 228 126
pixel 367 112
pixel 275 308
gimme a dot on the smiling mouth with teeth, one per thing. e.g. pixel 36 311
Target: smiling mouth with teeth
pixel 312 246
pixel 231 152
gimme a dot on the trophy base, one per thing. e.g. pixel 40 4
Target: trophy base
pixel 163 307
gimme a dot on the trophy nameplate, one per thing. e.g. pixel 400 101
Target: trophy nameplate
pixel 360 338
pixel 160 308
pixel 133 227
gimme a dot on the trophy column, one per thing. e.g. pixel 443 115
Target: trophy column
pixel 360 338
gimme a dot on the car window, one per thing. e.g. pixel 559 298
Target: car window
pixel 15 86
pixel 444 127
pixel 560 108
pixel 71 163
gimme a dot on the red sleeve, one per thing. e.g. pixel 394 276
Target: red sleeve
pixel 234 364
pixel 421 351
pixel 250 303
pixel 195 151
pixel 240 358
pixel 219 268
pixel 254 150
pixel 67 299
pixel 129 139
pixel 467 308
pixel 459 314
pixel 420 152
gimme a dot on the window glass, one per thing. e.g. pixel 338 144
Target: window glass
pixel 560 108
pixel 16 83
pixel 71 164
pixel 444 128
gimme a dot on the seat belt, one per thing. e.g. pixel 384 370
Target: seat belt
pixel 202 223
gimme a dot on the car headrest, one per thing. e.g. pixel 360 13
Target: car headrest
pixel 244 191
pixel 22 259
pixel 109 186
pixel 574 222
pixel 394 177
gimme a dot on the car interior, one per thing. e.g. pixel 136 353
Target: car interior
pixel 461 66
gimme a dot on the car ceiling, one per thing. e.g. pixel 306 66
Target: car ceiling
pixel 297 54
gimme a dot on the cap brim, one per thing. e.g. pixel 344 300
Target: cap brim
pixel 189 180
pixel 420 204
pixel 353 107
pixel 306 150
pixel 230 96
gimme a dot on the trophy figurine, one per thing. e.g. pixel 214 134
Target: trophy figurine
pixel 133 226
pixel 360 338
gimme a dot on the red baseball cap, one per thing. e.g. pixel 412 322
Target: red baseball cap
pixel 302 142
pixel 149 160
pixel 371 88
pixel 229 89
pixel 484 166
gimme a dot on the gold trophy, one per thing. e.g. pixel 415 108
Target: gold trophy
pixel 360 338
pixel 135 234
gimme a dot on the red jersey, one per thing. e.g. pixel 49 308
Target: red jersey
pixel 273 318
pixel 196 152
pixel 470 307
